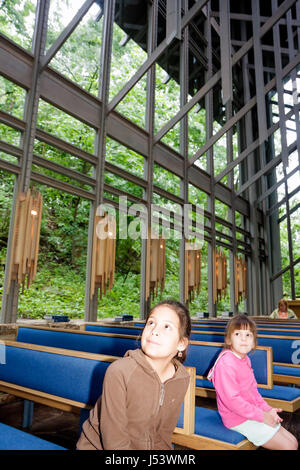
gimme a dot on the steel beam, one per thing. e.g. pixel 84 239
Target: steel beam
pixel 67 96
pixel 268 167
pixel 155 54
pixel 244 110
pixel 65 34
pixel 91 303
pixel 10 295
pixel 216 77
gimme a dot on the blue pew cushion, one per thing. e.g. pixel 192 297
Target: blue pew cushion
pixel 283 348
pixel 280 392
pixel 208 423
pixel 71 377
pixel 203 357
pixel 204 383
pixel 77 341
pixel 286 370
pixel 15 439
pixel 214 337
pixel 118 330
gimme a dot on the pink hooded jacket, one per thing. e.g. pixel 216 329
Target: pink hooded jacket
pixel 237 396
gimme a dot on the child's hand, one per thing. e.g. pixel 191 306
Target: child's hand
pixel 274 411
pixel 271 417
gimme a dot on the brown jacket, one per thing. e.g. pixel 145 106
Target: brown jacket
pixel 136 411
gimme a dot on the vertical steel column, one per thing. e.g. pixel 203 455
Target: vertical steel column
pixel 296 112
pixel 10 299
pixel 264 281
pixel 292 53
pixel 184 84
pixel 259 86
pixel 91 305
pixel 148 168
pixel 272 243
pixel 253 262
pixel 259 73
pixel 279 87
pixel 227 91
pixel 233 252
pixel 225 46
pixel 211 273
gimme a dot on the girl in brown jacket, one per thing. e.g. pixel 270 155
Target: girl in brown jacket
pixel 143 392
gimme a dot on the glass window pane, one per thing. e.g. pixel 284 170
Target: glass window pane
pixel 17 19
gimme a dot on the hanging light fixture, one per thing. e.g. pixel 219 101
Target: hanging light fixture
pixel 221 276
pixel 240 279
pixel 156 265
pixel 192 271
pixel 103 256
pixel 25 238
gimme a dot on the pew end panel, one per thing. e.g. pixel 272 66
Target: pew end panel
pixel 202 429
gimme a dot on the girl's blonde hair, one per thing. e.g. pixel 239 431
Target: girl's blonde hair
pixel 240 322
pixel 281 303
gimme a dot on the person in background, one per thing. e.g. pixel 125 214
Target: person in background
pixel 282 311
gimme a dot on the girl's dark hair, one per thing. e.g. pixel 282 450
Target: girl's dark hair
pixel 240 322
pixel 183 314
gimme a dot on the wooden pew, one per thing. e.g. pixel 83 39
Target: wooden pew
pixel 55 377
pixel 119 344
pixel 202 428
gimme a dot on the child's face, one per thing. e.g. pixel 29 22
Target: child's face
pixel 161 337
pixel 242 342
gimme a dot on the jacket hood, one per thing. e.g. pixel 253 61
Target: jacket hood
pixel 210 375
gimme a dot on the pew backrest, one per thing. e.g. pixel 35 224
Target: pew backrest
pixel 58 376
pixel 202 356
pixel 278 331
pixel 118 329
pixel 88 341
pixel 285 347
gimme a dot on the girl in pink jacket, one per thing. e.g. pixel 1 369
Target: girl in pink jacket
pixel 240 405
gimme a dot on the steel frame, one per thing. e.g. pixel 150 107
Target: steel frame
pixel 254 199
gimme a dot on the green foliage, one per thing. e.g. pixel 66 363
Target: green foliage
pixel 17 20
pixel 59 286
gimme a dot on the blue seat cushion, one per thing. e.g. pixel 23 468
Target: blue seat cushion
pixel 15 439
pixel 287 370
pixel 280 392
pixel 208 423
pixel 204 383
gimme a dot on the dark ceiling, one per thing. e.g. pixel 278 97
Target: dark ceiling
pixel 131 16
